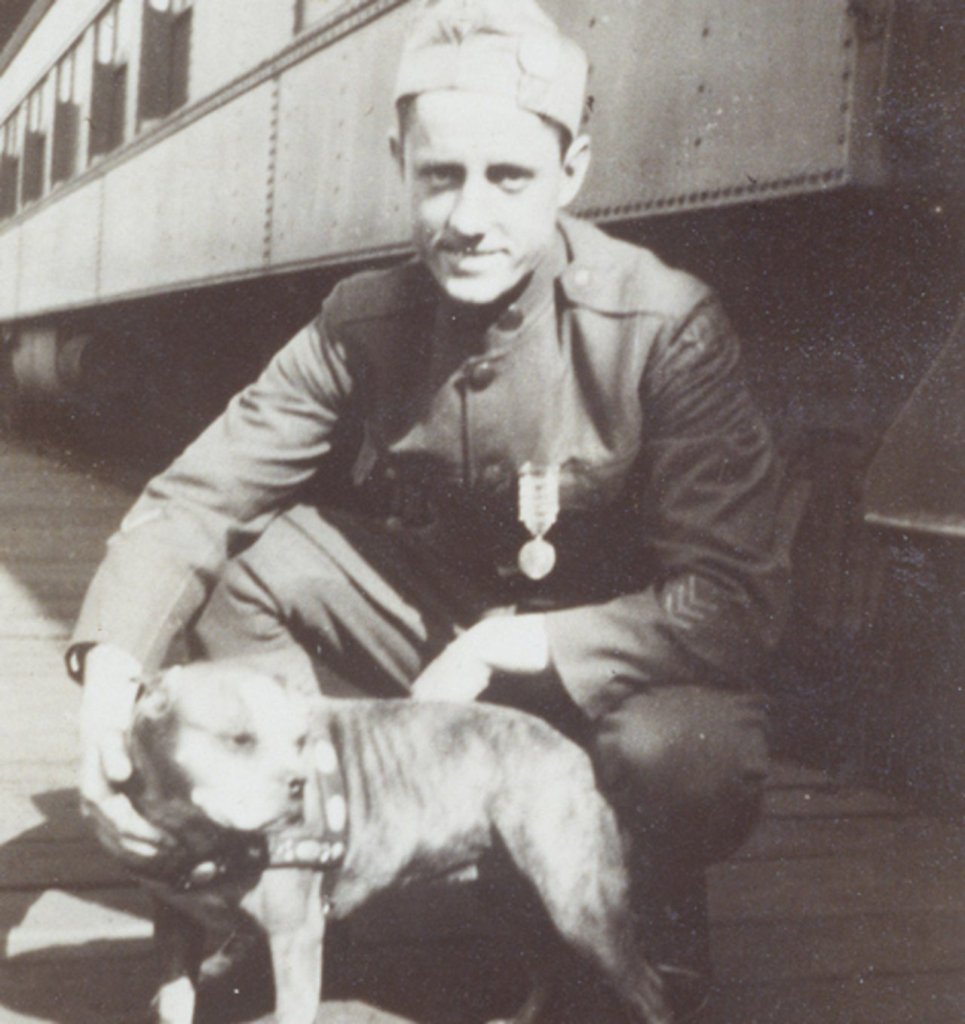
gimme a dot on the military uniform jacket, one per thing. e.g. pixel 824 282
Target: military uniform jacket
pixel 621 371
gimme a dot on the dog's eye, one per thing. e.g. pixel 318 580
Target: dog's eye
pixel 243 739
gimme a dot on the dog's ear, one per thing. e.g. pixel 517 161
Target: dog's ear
pixel 153 700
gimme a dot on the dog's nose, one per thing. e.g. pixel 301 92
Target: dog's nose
pixel 296 787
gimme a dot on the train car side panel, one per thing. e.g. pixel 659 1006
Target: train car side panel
pixel 710 82
pixel 337 190
pixel 63 240
pixel 229 38
pixel 9 273
pixel 164 227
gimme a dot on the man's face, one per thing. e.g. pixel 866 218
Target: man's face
pixel 485 182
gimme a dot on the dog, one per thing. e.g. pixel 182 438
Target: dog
pixel 360 796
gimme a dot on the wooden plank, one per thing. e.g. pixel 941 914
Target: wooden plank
pixel 64 863
pixel 113 983
pixel 833 802
pixel 43 589
pixel 783 774
pixel 48 815
pixel 792 839
pixel 53 697
pixel 56 627
pixel 28 656
pixel 56 923
pixel 865 999
pixel 829 886
pixel 839 947
pixel 39 776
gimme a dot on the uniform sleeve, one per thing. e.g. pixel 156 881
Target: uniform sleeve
pixel 709 520
pixel 215 498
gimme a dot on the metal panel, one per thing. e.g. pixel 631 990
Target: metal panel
pixel 336 188
pixel 9 269
pixel 192 206
pixel 59 252
pixel 229 38
pixel 700 102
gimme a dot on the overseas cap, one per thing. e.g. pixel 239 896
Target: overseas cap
pixel 503 47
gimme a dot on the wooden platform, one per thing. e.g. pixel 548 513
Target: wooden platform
pixel 847 907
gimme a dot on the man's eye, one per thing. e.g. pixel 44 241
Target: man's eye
pixel 510 179
pixel 243 740
pixel 439 177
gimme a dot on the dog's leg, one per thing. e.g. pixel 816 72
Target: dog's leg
pixel 579 871
pixel 179 941
pixel 293 916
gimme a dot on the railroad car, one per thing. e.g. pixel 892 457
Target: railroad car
pixel 153 146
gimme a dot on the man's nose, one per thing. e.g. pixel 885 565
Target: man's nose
pixel 296 787
pixel 467 218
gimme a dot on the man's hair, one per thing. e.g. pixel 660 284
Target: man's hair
pixel 404 107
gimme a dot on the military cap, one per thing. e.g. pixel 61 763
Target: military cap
pixel 503 47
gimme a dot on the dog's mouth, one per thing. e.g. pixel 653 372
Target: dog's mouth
pixel 287 819
pixel 295 816
pixel 226 816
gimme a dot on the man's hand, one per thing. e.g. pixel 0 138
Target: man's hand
pixel 514 644
pixel 110 688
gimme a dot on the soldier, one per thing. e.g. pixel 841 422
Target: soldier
pixel 523 466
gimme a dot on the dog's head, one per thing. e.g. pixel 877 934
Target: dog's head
pixel 224 739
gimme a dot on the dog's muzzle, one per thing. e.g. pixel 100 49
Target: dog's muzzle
pixel 237 855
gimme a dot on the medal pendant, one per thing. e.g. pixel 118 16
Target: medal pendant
pixel 537 558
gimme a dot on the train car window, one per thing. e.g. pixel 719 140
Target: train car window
pixel 35 144
pixel 66 120
pixel 165 57
pixel 109 87
pixel 311 12
pixel 10 165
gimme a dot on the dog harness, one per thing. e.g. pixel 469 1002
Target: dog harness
pixel 235 855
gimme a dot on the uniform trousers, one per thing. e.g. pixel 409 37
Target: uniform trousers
pixel 355 607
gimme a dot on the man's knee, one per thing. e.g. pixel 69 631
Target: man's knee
pixel 685 766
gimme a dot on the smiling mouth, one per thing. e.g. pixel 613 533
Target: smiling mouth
pixel 472 257
pixel 463 253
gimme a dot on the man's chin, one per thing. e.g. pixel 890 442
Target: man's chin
pixel 470 290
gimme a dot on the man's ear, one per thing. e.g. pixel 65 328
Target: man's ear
pixel 576 164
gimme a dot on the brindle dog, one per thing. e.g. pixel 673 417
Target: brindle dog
pixel 224 755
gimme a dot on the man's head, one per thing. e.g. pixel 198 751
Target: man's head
pixel 490 100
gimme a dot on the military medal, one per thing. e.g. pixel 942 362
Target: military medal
pixel 539 505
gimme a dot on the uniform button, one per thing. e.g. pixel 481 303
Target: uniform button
pixel 481 375
pixel 510 320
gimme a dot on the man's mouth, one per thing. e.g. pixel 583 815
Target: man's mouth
pixel 471 257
